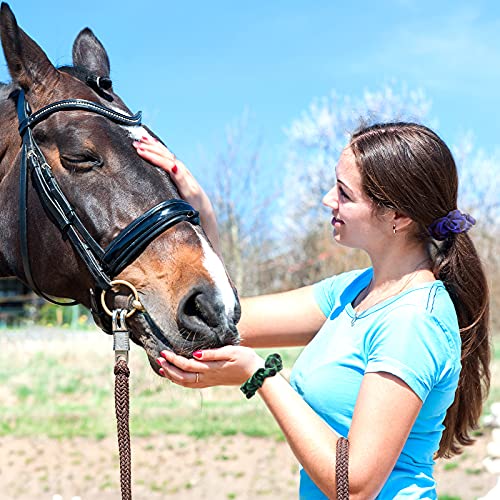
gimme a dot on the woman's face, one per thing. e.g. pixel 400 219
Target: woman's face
pixel 355 221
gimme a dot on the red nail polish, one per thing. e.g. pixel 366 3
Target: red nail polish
pixel 174 169
pixel 141 149
pixel 158 361
pixel 162 371
pixel 197 354
pixel 144 138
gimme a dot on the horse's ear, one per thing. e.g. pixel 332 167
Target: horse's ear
pixel 89 53
pixel 27 62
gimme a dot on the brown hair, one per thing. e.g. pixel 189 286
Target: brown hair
pixel 408 168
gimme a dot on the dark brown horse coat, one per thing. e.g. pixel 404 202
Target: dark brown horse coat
pixel 189 299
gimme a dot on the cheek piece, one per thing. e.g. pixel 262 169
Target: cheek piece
pixel 102 263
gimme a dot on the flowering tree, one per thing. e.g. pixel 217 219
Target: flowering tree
pixel 242 207
pixel 298 249
pixel 319 135
pixel 316 140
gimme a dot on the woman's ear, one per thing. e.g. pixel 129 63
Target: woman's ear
pixel 400 222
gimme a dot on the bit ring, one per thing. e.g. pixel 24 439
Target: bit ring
pixel 136 304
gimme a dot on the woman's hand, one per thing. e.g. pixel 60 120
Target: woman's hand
pixel 159 155
pixel 190 190
pixel 229 365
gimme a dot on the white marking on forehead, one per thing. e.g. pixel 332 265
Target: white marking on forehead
pixel 137 132
pixel 215 268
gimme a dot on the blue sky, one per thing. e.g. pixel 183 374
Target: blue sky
pixel 194 67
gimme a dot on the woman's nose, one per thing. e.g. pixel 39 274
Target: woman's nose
pixel 330 198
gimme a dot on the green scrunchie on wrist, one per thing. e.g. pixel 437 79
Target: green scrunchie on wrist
pixel 273 365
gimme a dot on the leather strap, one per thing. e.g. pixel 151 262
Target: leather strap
pixel 103 265
pixel 342 468
pixel 136 236
pixel 30 120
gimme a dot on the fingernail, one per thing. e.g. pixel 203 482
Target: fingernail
pixel 197 354
pixel 161 371
pixel 141 149
pixel 163 354
pixel 158 361
pixel 144 138
pixel 174 169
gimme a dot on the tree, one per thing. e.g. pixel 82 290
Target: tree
pixel 242 205
pixel 316 140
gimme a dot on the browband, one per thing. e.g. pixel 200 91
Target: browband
pixel 27 120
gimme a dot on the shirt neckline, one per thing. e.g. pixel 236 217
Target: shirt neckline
pixel 364 279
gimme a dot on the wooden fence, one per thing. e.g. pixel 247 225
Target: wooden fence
pixel 17 301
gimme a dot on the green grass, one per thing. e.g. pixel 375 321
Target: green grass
pixel 64 389
pixel 494 394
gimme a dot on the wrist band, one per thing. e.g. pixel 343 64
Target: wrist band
pixel 273 365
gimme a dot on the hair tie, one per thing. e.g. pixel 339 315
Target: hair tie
pixel 454 222
pixel 273 365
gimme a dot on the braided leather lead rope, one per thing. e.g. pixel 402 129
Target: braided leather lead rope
pixel 122 417
pixel 342 468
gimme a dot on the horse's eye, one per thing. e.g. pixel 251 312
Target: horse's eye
pixel 80 162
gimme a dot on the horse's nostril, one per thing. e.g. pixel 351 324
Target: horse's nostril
pixel 201 311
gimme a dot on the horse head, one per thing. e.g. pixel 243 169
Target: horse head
pixel 189 301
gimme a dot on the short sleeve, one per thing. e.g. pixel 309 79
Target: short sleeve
pixel 411 344
pixel 324 294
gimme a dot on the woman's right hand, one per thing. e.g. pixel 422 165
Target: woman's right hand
pixel 153 151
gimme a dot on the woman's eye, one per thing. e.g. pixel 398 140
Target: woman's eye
pixel 343 193
pixel 80 162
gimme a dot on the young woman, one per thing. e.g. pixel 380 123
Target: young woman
pixel 397 355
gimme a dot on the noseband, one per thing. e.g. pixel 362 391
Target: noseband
pixel 103 263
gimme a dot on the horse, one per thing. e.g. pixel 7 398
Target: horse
pixel 94 211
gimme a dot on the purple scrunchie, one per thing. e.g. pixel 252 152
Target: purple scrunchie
pixel 453 223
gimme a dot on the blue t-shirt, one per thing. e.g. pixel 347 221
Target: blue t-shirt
pixel 414 336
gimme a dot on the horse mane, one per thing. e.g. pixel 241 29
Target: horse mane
pixel 78 72
pixel 90 79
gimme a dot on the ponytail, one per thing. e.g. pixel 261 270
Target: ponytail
pixel 457 264
pixel 407 167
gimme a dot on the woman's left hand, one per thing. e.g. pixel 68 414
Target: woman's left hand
pixel 228 365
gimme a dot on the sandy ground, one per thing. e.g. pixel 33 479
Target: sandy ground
pixel 178 467
pixel 172 466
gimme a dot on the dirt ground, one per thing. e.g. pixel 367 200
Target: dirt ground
pixel 178 467
pixel 174 466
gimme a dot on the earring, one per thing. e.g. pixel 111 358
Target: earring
pixel 394 228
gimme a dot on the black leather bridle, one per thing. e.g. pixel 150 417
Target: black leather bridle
pixel 102 263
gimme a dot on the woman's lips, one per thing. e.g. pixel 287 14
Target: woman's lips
pixel 336 221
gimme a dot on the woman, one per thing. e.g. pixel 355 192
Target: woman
pixel 396 355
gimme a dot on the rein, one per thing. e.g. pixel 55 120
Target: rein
pixel 102 263
pixel 121 346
